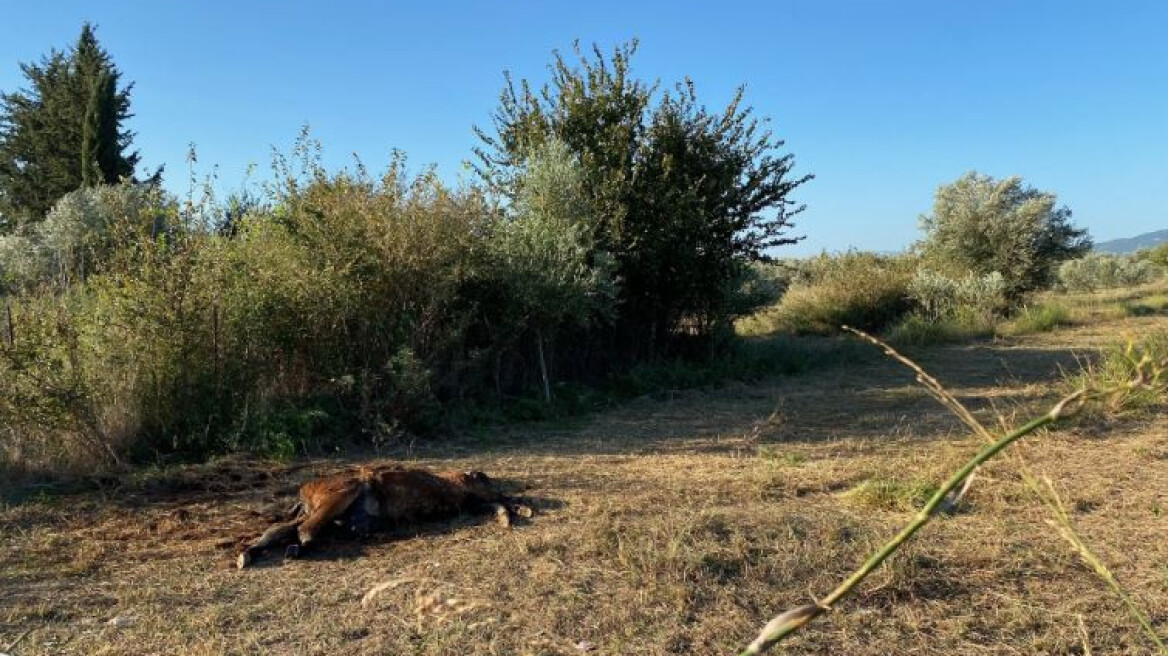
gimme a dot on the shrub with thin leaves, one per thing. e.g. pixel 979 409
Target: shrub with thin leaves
pixel 981 224
pixel 57 408
pixel 1105 271
pixel 1157 255
pixel 978 297
pixel 344 295
pixel 544 270
pixel 80 234
pixel 950 309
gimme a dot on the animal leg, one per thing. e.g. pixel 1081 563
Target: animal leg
pixel 277 534
pixel 320 518
pixel 508 509
pixel 502 514
pixel 521 509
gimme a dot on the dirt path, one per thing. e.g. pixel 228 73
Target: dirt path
pixel 666 526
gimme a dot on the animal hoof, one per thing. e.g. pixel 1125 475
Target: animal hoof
pixel 292 552
pixel 523 511
pixel 502 516
pixel 243 560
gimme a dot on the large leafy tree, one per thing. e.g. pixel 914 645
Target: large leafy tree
pixel 683 197
pixel 981 224
pixel 64 131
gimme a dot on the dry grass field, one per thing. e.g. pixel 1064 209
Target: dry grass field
pixel 676 524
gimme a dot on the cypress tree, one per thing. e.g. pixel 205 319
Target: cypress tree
pixel 64 131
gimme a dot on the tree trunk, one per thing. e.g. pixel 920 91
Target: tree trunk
pixel 547 389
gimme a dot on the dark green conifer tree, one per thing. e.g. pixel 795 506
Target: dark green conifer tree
pixel 64 131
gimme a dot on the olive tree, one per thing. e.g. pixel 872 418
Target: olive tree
pixel 82 232
pixel 982 224
pixel 548 271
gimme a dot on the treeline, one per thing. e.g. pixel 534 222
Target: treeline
pixel 611 225
pixel 986 250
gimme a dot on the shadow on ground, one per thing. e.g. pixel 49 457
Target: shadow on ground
pixel 870 398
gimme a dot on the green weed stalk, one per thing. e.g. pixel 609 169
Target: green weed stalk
pixel 1148 373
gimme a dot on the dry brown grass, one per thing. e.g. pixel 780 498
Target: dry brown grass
pixel 663 527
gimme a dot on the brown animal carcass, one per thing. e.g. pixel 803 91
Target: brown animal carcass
pixel 367 498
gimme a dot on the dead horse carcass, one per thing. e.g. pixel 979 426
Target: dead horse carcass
pixel 364 499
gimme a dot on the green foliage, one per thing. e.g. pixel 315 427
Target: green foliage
pixel 893 493
pixel 170 337
pixel 51 408
pixel 64 132
pixel 543 271
pixel 683 198
pixel 80 236
pixel 762 286
pixel 1041 318
pixel 859 289
pixel 1157 256
pixel 971 299
pixel 951 309
pixel 981 225
pixel 917 330
pixel 1105 271
pixel 1118 365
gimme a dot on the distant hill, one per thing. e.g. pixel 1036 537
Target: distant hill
pixel 1133 244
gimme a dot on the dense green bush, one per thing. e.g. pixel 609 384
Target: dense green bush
pixel 544 272
pixel 951 309
pixel 1104 271
pixel 859 289
pixel 80 235
pixel 684 198
pixel 980 225
pixel 971 299
pixel 1157 255
pixel 188 341
pixel 343 305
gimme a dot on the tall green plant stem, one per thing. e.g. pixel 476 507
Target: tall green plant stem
pixel 789 622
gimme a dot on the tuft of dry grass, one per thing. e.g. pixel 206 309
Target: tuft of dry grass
pixel 893 493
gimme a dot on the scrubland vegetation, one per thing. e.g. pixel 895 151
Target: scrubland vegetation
pixel 675 523
pixel 707 448
pixel 351 309
pixel 614 236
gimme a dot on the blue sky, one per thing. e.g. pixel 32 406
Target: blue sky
pixel 882 101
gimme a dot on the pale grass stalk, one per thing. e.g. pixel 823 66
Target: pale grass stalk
pixel 1083 634
pixel 1066 528
pixel 1147 372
